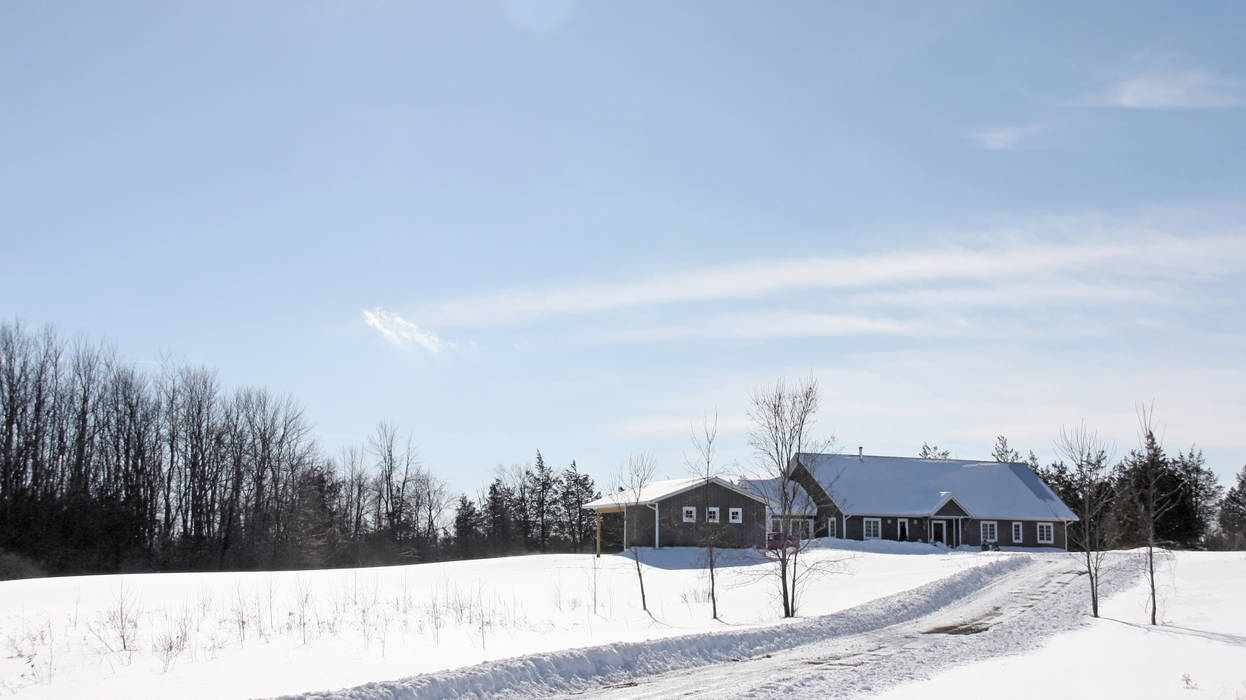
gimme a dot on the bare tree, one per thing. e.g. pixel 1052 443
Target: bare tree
pixel 630 483
pixel 783 419
pixel 1090 455
pixel 1151 490
pixel 701 463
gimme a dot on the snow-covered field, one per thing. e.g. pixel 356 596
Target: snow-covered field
pixel 1198 650
pixel 262 634
pixel 903 620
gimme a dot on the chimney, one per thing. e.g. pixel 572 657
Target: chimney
pixel 861 453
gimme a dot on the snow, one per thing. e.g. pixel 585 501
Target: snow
pixel 903 620
pixel 657 490
pixel 907 486
pixel 1197 652
pixel 269 633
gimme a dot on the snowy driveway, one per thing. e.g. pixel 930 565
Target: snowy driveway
pixel 1005 607
pixel 1009 615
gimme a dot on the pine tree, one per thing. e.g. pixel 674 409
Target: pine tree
pixel 1004 453
pixel 499 517
pixel 1149 492
pixel 467 527
pixel 932 452
pixel 1201 494
pixel 541 501
pixel 574 490
pixel 1233 512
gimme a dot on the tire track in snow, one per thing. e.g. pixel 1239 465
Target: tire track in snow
pixel 1010 616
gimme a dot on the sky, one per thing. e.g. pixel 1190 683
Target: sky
pixel 584 227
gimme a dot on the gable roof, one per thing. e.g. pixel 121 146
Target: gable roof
pixel 655 491
pixel 912 486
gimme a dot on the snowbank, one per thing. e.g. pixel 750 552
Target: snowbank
pixel 573 669
pixel 211 635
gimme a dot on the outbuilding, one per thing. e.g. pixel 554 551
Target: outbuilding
pixel 686 513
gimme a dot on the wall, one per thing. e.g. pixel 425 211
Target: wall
pixel 674 532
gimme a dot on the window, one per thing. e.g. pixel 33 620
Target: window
pixel 1016 532
pixel 735 515
pixel 988 531
pixel 711 515
pixel 830 527
pixel 873 529
pixel 1046 533
pixel 690 514
pixel 801 528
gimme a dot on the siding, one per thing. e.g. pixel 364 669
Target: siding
pixel 951 508
pixel 1029 533
pixel 674 532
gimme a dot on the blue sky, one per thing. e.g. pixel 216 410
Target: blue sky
pixel 580 227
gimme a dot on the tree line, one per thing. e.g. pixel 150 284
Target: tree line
pixel 106 466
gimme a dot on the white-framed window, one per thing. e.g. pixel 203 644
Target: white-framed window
pixel 776 525
pixel 830 527
pixel 711 514
pixel 989 532
pixel 1016 532
pixel 735 515
pixel 873 528
pixel 802 528
pixel 1046 533
pixel 690 514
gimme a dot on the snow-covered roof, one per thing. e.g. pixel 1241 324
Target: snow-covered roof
pixel 655 491
pixel 769 490
pixel 911 486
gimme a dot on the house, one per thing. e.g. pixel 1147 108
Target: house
pixel 950 501
pixel 683 512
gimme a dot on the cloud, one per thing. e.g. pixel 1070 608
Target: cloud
pixel 771 324
pixel 400 332
pixel 1193 89
pixel 1007 138
pixel 1049 291
pixel 1134 252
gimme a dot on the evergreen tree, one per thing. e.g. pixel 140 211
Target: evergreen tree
pixel 521 506
pixel 467 527
pixel 1233 512
pixel 574 490
pixel 540 501
pixel 1058 477
pixel 1151 495
pixel 932 452
pixel 499 517
pixel 1202 493
pixel 1004 453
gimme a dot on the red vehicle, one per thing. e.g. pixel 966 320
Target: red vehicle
pixel 779 540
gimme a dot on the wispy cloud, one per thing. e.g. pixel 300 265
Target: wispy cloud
pixel 400 332
pixel 1013 137
pixel 771 324
pixel 1192 89
pixel 1135 252
pixel 1048 291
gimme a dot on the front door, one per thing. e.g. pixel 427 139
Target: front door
pixel 902 529
pixel 937 531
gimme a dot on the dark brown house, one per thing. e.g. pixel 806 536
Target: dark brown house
pixel 946 501
pixel 686 513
